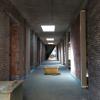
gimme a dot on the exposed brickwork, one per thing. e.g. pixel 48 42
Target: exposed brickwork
pixel 93 51
pixel 17 51
pixel 75 48
pixel 5 53
pixel 14 50
pixel 14 42
pixel 4 46
pixel 22 50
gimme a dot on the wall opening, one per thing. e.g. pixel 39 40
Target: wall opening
pixel 53 55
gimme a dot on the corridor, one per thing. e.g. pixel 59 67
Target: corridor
pixel 40 34
pixel 53 87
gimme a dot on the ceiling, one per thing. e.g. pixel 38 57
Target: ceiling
pixel 48 12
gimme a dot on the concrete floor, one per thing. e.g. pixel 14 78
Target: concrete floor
pixel 49 87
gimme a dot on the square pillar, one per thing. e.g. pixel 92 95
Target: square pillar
pixel 83 48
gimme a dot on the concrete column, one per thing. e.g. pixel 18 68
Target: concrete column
pixel 63 46
pixel 41 53
pixel 31 50
pixel 64 52
pixel 38 51
pixel 34 50
pixel 66 49
pixel 61 52
pixel 44 56
pixel 41 49
pixel 58 53
pixel 27 50
pixel 83 48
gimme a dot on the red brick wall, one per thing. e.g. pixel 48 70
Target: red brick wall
pixel 14 50
pixel 5 53
pixel 12 53
pixel 75 48
pixel 17 44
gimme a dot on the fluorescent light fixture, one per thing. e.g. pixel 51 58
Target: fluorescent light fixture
pixel 50 39
pixel 50 43
pixel 48 28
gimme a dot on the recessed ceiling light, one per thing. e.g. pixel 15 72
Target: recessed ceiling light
pixel 50 43
pixel 48 28
pixel 50 39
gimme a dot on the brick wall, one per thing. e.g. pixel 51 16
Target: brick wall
pixel 17 44
pixel 4 46
pixel 75 48
pixel 7 12
pixel 14 39
pixel 93 48
pixel 22 50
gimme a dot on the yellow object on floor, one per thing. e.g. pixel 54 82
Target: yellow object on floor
pixel 51 70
